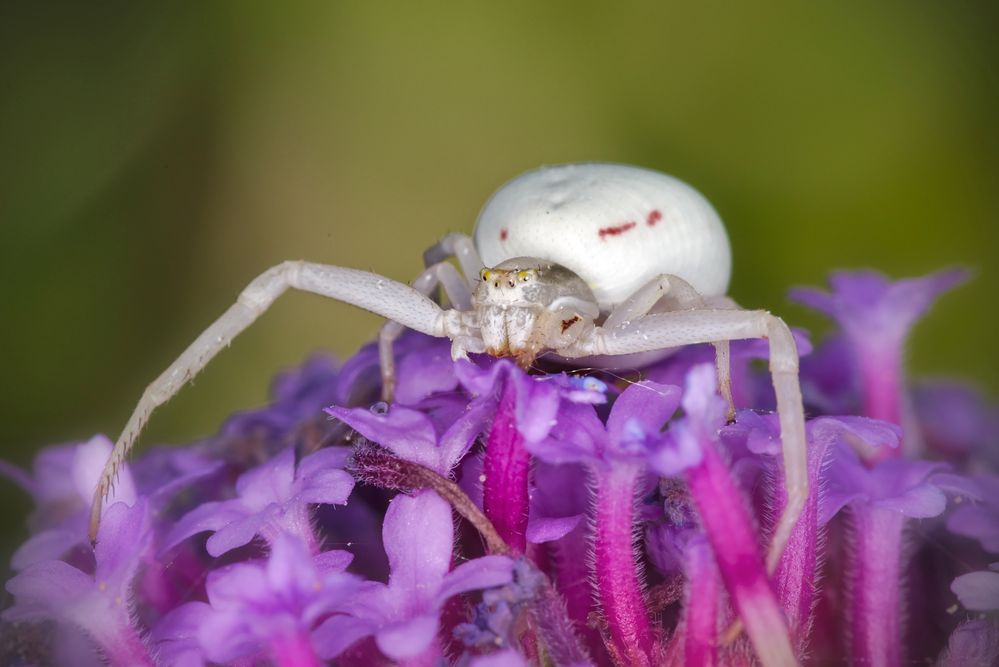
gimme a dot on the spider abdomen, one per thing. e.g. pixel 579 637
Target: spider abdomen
pixel 615 226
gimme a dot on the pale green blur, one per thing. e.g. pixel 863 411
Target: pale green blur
pixel 156 157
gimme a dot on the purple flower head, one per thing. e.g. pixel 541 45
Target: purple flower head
pixel 65 479
pixel 870 307
pixel 979 518
pixel 273 498
pixel 914 489
pixel 750 389
pixel 297 395
pixel 535 401
pixel 633 430
pixel 423 367
pixel 494 623
pixel 101 603
pixel 979 591
pixel 404 615
pixel 412 435
pixel 876 315
pixel 274 608
pixel 973 644
pixel 957 423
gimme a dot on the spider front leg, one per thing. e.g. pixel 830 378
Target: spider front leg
pixel 664 330
pixel 672 293
pixel 382 296
pixel 462 248
pixel 458 293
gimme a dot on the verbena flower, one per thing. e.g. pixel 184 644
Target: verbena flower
pixel 492 517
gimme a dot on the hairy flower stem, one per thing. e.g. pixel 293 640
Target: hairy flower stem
pixel 297 521
pixel 556 630
pixel 506 467
pixel 730 531
pixel 881 385
pixel 572 581
pixel 700 622
pixel 619 590
pixel 797 572
pixel 875 623
pixel 294 650
pixel 125 649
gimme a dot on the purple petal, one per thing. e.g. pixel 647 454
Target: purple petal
pixel 678 452
pixel 328 458
pixel 577 436
pixel 338 633
pixel 458 439
pixel 47 545
pixel 45 587
pixel 232 586
pixel 701 401
pixel 408 639
pixel 226 637
pixel 921 502
pixel 235 534
pixel 289 567
pixel 206 517
pixel 955 419
pixel 978 591
pixel 326 487
pixel 484 572
pixel 979 519
pixel 175 636
pixel 123 539
pixel 407 433
pixel 544 529
pixel 418 534
pixel 537 400
pixel 334 560
pixel 639 415
pixel 425 371
pixel 270 482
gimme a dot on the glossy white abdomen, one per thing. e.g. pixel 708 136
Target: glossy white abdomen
pixel 615 226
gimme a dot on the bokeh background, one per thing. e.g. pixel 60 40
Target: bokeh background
pixel 155 157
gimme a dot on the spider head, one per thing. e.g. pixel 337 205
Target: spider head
pixel 528 282
pixel 527 305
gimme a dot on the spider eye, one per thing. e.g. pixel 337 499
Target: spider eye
pixel 524 276
pixel 485 274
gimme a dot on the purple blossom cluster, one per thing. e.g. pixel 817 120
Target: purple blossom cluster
pixel 494 517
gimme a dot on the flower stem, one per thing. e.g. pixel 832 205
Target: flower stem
pixel 881 387
pixel 572 581
pixel 294 650
pixel 506 467
pixel 126 649
pixel 700 646
pixel 615 568
pixel 875 623
pixel 797 572
pixel 730 531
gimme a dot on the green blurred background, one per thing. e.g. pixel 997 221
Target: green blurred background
pixel 157 156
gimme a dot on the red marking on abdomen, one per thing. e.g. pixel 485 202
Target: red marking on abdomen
pixel 654 217
pixel 616 229
pixel 503 234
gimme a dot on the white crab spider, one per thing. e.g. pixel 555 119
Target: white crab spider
pixel 580 260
